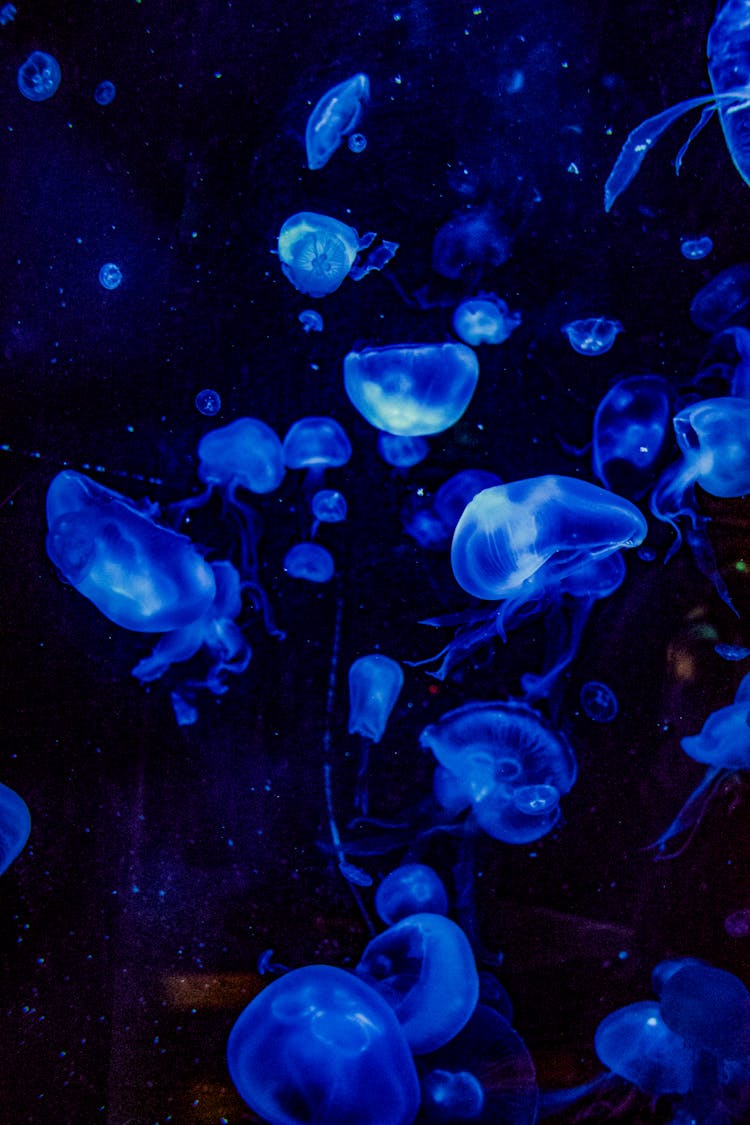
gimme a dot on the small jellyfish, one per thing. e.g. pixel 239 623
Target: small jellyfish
pixel 423 966
pixel 311 320
pixel 736 924
pixel 15 826
pixel 309 561
pixel 39 77
pixel 335 116
pixel 636 1043
pixel 307 1048
pixel 431 522
pixel 329 506
pixel 105 93
pixel 484 319
pixel 631 433
pixel 412 888
pixel 375 682
pixel 110 276
pixel 599 702
pixel 317 253
pixel 357 142
pixel 593 335
pixel 469 243
pixel 316 444
pixel 696 248
pixel 722 298
pixel 411 389
pixel 208 402
pixel 402 452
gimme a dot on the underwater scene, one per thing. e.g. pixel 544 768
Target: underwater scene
pixel 374 475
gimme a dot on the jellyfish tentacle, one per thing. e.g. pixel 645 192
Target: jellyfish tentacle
pixel 691 813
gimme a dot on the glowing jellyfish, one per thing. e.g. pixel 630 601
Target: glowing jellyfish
pixel 631 433
pixel 504 763
pixel 316 444
pixel 636 1043
pixel 594 335
pixel 375 682
pixel 709 1009
pixel 402 452
pixel 599 702
pixel 335 116
pixel 104 93
pixel 311 320
pixel 485 319
pixel 432 521
pixel 329 506
pixel 357 143
pixel 309 561
pixel 308 1047
pixel 15 826
pixel 469 243
pixel 696 248
pixel 317 253
pixel 110 276
pixel 424 968
pixel 714 439
pixel 39 77
pixel 722 298
pixel 412 888
pixel 208 402
pixel 411 389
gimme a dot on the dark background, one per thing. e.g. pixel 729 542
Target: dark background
pixel 163 860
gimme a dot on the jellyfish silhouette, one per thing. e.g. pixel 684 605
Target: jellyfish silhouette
pixel 431 521
pixel 631 432
pixel 15 826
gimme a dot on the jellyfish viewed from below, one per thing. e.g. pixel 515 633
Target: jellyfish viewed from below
pixel 484 319
pixel 317 253
pixel 402 452
pixel 15 826
pixel 411 888
pixel 309 1047
pixel 469 243
pixel 310 562
pixel 411 389
pixel 335 116
pixel 631 432
pixel 39 77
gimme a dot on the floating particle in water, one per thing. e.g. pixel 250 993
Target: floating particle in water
pixel 105 93
pixel 309 561
pixel 732 652
pixel 39 77
pixel 110 275
pixel 357 142
pixel 599 702
pixel 695 248
pixel 208 402
pixel 593 335
pixel 311 320
pixel 737 924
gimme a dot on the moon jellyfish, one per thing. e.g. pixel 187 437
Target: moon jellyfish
pixel 431 522
pixel 402 452
pixel 504 763
pixel 411 389
pixel 316 444
pixel 311 320
pixel 485 319
pixel 722 298
pixel 423 966
pixel 375 682
pixel 636 1043
pixel 412 888
pixel 208 402
pixel 696 248
pixel 319 1045
pixel 592 336
pixel 357 143
pixel 469 243
pixel 105 93
pixel 709 1009
pixel 15 826
pixel 110 276
pixel 631 431
pixel 317 253
pixel 599 702
pixel 334 117
pixel 39 77
pixel 329 506
pixel 310 562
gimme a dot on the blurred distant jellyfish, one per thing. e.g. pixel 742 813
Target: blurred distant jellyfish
pixel 469 243
pixel 631 431
pixel 375 682
pixel 411 888
pixel 316 444
pixel 402 452
pixel 696 248
pixel 15 826
pixel 736 924
pixel 310 1044
pixel 317 253
pixel 110 276
pixel 7 14
pixel 728 358
pixel 722 298
pixel 311 320
pixel 423 966
pixel 484 319
pixel 105 93
pixel 505 764
pixel 335 116
pixel 709 1009
pixel 357 142
pixel 432 522
pixel 328 506
pixel 411 389
pixel 593 335
pixel 732 652
pixel 636 1043
pixel 310 562
pixel 599 702
pixel 208 402
pixel 39 77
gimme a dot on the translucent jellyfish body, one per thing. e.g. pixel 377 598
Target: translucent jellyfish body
pixel 317 253
pixel 411 389
pixel 105 93
pixel 709 1009
pixel 599 702
pixel 592 336
pixel 423 966
pixel 15 826
pixel 412 888
pixel 306 1049
pixel 375 682
pixel 485 319
pixel 329 506
pixel 110 276
pixel 310 562
pixel 208 402
pixel 402 452
pixel 631 434
pixel 636 1043
pixel 696 248
pixel 469 243
pixel 335 116
pixel 39 77
pixel 316 444
pixel 432 521
pixel 722 298
pixel 506 764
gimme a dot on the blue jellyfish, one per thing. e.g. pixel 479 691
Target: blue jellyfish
pixel 736 924
pixel 432 521
pixel 105 93
pixel 599 702
pixel 309 1046
pixel 208 402
pixel 15 826
pixel 469 243
pixel 357 142
pixel 423 966
pixel 505 764
pixel 696 248
pixel 310 562
pixel 335 116
pixel 594 335
pixel 722 298
pixel 709 1009
pixel 636 1043
pixel 316 444
pixel 411 389
pixel 110 276
pixel 631 433
pixel 402 452
pixel 39 77
pixel 311 320
pixel 484 319
pixel 375 682
pixel 411 888
pixel 328 506
pixel 317 253
pixel 714 439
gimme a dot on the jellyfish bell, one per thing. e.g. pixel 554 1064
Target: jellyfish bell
pixel 316 443
pixel 470 242
pixel 245 453
pixel 335 116
pixel 631 428
pixel 636 1043
pixel 15 826
pixel 709 1009
pixel 317 253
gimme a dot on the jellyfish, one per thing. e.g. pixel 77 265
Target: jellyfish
pixel 714 439
pixel 375 682
pixel 39 77
pixel 599 702
pixel 631 431
pixel 484 319
pixel 335 116
pixel 637 1044
pixel 402 452
pixel 316 444
pixel 105 93
pixel 696 248
pixel 722 298
pixel 505 764
pixel 311 320
pixel 208 402
pixel 411 888
pixel 317 253
pixel 432 522
pixel 15 826
pixel 594 335
pixel 308 1047
pixel 411 389
pixel 423 966
pixel 709 1009
pixel 110 276
pixel 356 143
pixel 469 243
pixel 310 562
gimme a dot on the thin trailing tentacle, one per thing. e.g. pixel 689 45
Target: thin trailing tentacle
pixel 705 117
pixel 690 815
